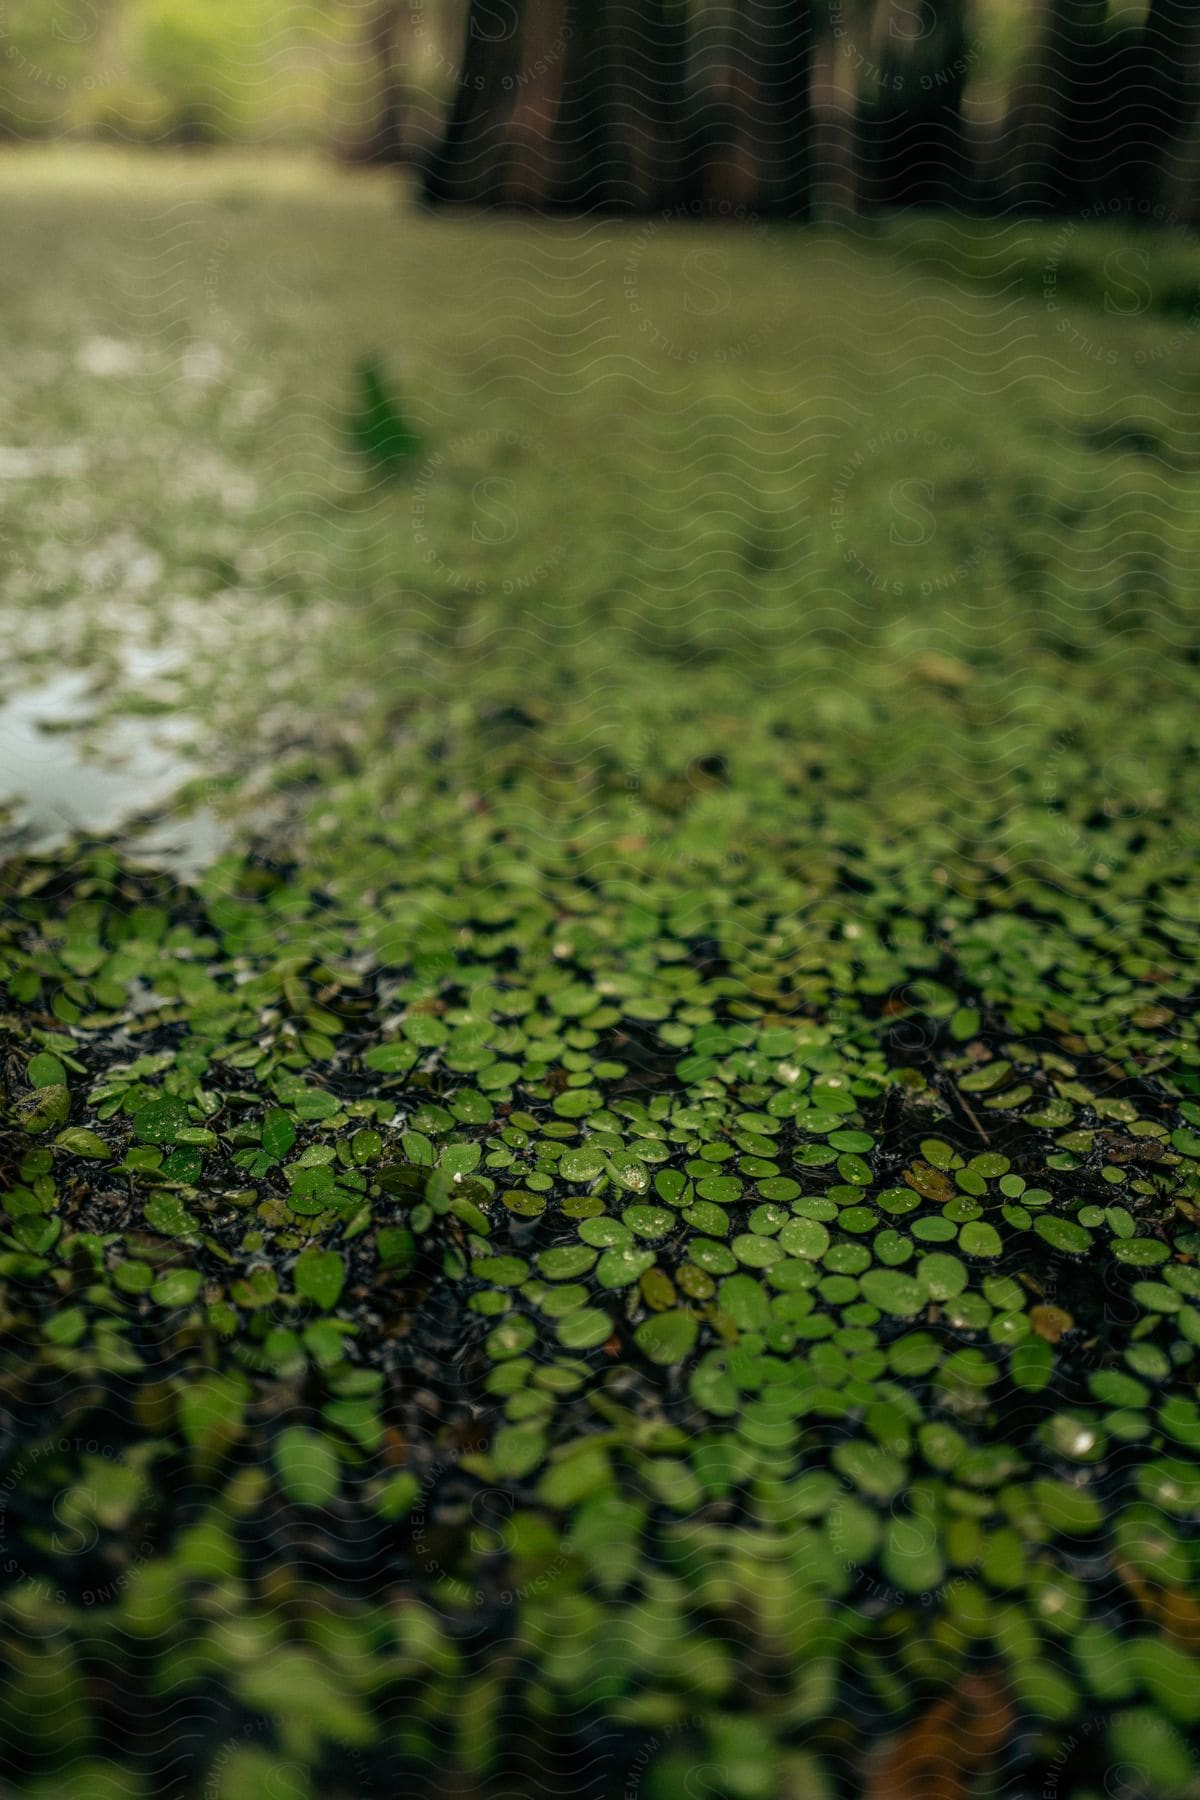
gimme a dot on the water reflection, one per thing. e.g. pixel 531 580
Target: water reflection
pixel 56 786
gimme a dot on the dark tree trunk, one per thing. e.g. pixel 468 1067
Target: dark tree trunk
pixel 469 164
pixel 626 121
pixel 1157 109
pixel 912 147
pixel 788 182
pixel 591 105
pixel 1057 129
pixel 598 134
pixel 528 158
pixel 1182 190
pixel 586 109
pixel 770 152
pixel 832 131
pixel 750 146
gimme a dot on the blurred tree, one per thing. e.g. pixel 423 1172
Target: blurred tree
pixel 620 130
pixel 651 105
pixel 469 164
pixel 1160 97
pixel 385 141
pixel 631 105
pixel 756 138
pixel 912 149
pixel 1060 111
pixel 1104 114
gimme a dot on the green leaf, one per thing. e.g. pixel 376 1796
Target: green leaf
pixel 278 1134
pixel 45 1108
pixel 667 1338
pixel 78 1141
pixel 1142 1253
pixel 712 1386
pixel 584 1471
pixel 310 1472
pixel 745 1301
pixel 178 1287
pixel 377 425
pixel 621 1268
pixel 161 1121
pixel 979 1239
pixel 319 1276
pixel 66 1327
pixel 1063 1234
pixel 211 1409
pixel 390 1059
pixel 517 1450
pixel 418 1149
pixel 397 1248
pixel 584 1329
pixel 805 1237
pixel 45 1071
pixel 168 1214
pixel 941 1276
pixel 580 1165
pixel 894 1293
pixel 911 1558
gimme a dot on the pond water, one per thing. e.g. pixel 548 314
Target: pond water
pixel 61 777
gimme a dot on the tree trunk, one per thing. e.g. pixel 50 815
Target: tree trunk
pixel 652 111
pixel 1160 95
pixel 774 113
pixel 1056 129
pixel 470 162
pixel 596 157
pixel 835 129
pixel 529 172
pixel 385 144
pixel 912 144
pixel 589 104
pixel 753 138
pixel 614 118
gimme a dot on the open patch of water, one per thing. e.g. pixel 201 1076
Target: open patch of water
pixel 55 785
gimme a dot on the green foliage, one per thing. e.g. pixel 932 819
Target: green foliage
pixel 203 71
pixel 378 427
pixel 683 1157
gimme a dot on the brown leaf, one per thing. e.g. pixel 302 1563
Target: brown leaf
pixel 937 1756
pixel 930 1182
pixel 1175 1610
pixel 943 671
pixel 1050 1322
pixel 396 1449
pixel 1179 1616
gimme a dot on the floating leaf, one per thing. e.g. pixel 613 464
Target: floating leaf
pixel 979 1239
pixel 45 1108
pixel 308 1466
pixel 278 1133
pixel 894 1293
pixel 78 1141
pixel 319 1276
pixel 668 1337
pixel 45 1071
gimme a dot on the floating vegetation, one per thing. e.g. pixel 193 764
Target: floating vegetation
pixel 649 1228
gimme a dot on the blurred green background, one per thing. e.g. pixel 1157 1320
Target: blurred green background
pixel 304 71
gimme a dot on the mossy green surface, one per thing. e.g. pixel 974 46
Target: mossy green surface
pixel 641 1224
